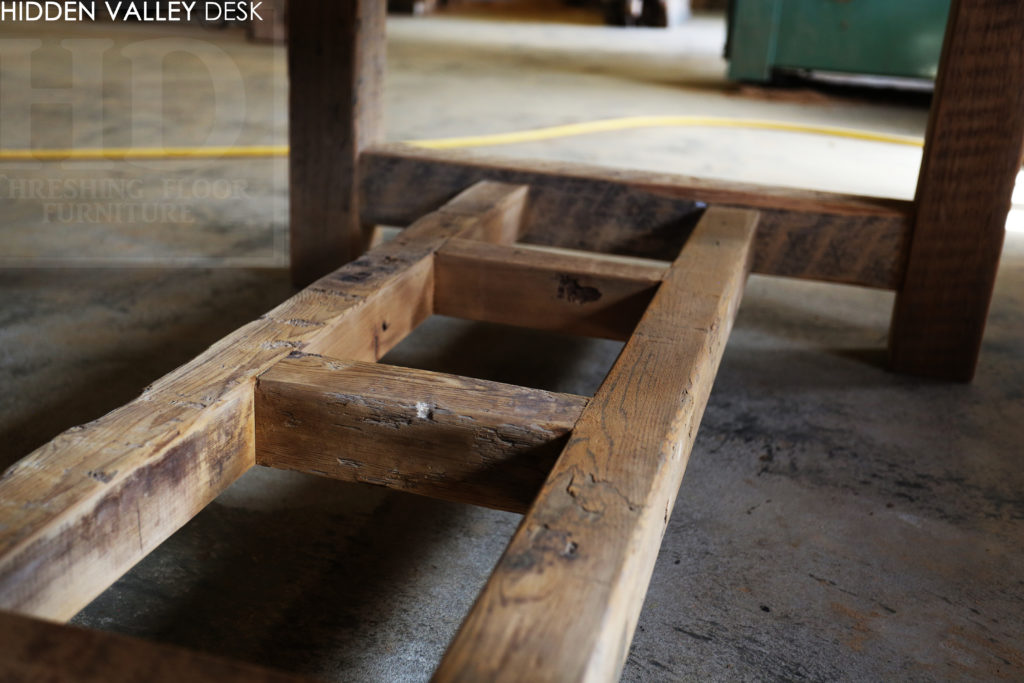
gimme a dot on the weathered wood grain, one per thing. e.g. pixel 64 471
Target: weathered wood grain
pixel 33 651
pixel 443 436
pixel 811 235
pixel 82 509
pixel 336 60
pixel 565 597
pixel 568 292
pixel 972 155
pixel 486 211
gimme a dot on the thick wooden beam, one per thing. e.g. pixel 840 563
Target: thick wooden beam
pixel 443 436
pixel 33 650
pixel 811 235
pixel 336 57
pixel 565 597
pixel 972 156
pixel 82 509
pixel 394 307
pixel 571 292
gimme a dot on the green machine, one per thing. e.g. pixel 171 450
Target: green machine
pixel 888 38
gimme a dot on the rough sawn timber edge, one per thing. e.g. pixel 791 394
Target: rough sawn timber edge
pixel 429 433
pixel 565 597
pixel 804 234
pixel 82 509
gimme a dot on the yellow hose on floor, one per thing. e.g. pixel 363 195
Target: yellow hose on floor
pixel 124 153
pixel 533 135
pixel 631 122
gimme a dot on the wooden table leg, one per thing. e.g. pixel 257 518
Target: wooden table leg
pixel 971 159
pixel 336 58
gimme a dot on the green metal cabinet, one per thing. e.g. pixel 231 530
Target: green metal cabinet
pixel 901 38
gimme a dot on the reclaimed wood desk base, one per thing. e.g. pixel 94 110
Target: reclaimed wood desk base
pixel 595 477
pixel 300 389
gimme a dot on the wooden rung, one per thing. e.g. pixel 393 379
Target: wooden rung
pixel 438 435
pixel 34 650
pixel 82 509
pixel 565 597
pixel 804 234
pixel 397 278
pixel 566 292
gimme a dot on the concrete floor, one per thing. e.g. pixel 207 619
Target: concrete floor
pixel 836 521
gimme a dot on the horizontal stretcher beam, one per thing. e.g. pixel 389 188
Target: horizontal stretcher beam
pixel 574 293
pixel 438 435
pixel 803 234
